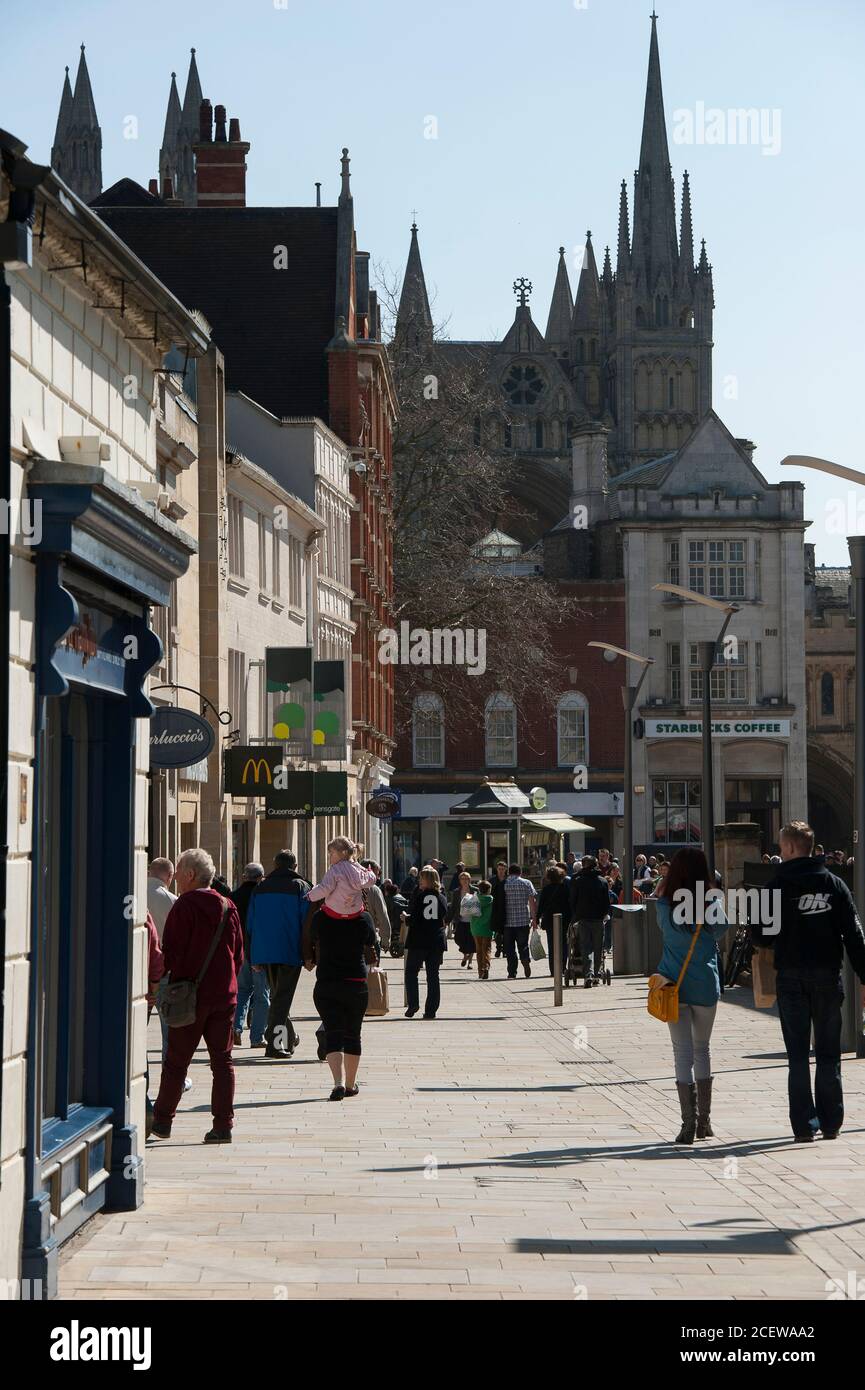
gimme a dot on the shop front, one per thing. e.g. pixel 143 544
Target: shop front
pixel 103 558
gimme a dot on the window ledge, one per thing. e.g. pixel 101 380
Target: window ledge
pixel 238 585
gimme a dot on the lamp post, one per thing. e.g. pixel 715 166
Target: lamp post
pixel 629 698
pixel 856 546
pixel 709 652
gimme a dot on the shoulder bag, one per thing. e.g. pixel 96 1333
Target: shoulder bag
pixel 178 999
pixel 663 1000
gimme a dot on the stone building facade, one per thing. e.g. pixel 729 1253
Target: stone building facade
pixel 830 657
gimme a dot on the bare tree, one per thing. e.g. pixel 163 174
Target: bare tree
pixel 452 486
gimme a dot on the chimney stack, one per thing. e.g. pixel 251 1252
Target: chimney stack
pixel 220 162
pixel 153 187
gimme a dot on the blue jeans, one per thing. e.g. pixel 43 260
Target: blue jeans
pixel 252 983
pixel 807 997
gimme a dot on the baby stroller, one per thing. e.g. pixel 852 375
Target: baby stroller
pixel 574 967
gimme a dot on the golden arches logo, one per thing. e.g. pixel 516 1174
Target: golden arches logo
pixel 256 764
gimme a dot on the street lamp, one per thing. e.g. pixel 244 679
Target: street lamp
pixel 856 545
pixel 629 698
pixel 709 653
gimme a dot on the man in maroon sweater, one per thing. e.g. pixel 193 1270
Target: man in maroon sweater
pixel 189 930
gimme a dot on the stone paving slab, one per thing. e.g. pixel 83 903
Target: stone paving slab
pixel 509 1150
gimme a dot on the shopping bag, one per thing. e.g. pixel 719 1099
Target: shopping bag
pixel 537 949
pixel 764 976
pixel 377 1004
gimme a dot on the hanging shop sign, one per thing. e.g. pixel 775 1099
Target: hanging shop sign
pixel 179 738
pixel 250 769
pixel 385 803
pixel 288 680
pixel 96 650
pixel 303 795
pixel 538 797
pixel 328 710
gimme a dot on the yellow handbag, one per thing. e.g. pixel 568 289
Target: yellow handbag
pixel 663 1000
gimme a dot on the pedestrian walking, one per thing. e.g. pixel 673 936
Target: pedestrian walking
pixel 482 929
pixel 520 916
pixel 464 907
pixel 202 924
pixel 275 922
pixel 590 907
pixel 455 881
pixel 155 972
pixel 498 916
pixel 426 943
pixel 818 922
pixel 340 949
pixel 160 899
pixel 396 905
pixel 554 898
pixel 340 892
pixel 409 883
pixel 253 988
pixel 690 955
pixel 376 906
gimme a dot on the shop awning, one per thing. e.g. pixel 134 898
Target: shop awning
pixel 562 825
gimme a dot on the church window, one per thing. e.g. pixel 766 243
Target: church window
pixel 827 693
pixel 508 434
pixel 671 391
pixel 662 311
pixel 539 434
pixel 524 384
pixel 581 350
pixel 686 319
pixel 593 350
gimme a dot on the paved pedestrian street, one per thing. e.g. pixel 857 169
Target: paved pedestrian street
pixel 508 1150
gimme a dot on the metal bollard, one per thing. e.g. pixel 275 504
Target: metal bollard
pixel 557 960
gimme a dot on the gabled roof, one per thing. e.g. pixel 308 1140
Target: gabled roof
pixel 126 193
pixel 710 458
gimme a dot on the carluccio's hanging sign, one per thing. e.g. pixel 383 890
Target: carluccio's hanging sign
pixel 179 738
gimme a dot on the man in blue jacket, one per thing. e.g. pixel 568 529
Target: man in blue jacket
pixel 818 920
pixel 274 922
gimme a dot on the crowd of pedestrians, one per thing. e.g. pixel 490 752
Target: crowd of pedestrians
pixel 244 950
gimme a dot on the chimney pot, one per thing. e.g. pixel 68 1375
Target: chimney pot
pixel 167 187
pixel 153 187
pixel 219 134
pixel 205 122
pixel 234 131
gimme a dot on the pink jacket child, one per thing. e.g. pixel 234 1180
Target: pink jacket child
pixel 342 888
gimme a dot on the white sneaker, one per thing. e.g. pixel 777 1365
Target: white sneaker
pixel 187 1084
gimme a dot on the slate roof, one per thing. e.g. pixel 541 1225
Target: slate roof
pixel 272 325
pixel 125 193
pixel 835 578
pixel 650 474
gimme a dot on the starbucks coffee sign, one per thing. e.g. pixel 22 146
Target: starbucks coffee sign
pixel 721 728
pixel 179 738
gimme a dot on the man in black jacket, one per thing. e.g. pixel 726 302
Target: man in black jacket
pixel 590 904
pixel 818 920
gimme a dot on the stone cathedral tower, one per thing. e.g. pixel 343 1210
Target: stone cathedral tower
pixel 632 351
pixel 76 154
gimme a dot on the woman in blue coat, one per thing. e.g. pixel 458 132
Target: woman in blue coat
pixel 685 901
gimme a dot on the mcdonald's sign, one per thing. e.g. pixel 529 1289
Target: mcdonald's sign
pixel 250 769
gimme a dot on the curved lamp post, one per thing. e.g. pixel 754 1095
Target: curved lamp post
pixel 709 652
pixel 629 697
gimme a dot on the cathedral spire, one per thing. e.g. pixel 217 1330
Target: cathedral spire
pixel 607 273
pixel 77 151
pixel 172 117
pixel 703 267
pixel 561 309
pixel 586 316
pixel 192 99
pixel 64 118
pixel 686 237
pixel 654 247
pixel 623 256
pixel 413 319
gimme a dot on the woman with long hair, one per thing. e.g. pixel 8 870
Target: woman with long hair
pixel 686 927
pixel 462 906
pixel 555 897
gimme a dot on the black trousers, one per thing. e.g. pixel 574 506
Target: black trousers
pixel 283 983
pixel 430 959
pixel 806 998
pixel 341 1005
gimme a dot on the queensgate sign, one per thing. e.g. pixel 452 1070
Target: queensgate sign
pixel 259 770
pixel 721 728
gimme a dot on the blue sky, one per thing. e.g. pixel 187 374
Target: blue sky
pixel 538 110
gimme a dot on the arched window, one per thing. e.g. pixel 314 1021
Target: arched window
pixel 572 728
pixel 501 731
pixel 593 350
pixel 827 693
pixel 428 731
pixel 539 434
pixel 508 434
pixel 671 391
pixel 686 318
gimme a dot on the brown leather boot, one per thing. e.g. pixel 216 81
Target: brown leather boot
pixel 688 1102
pixel 704 1106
